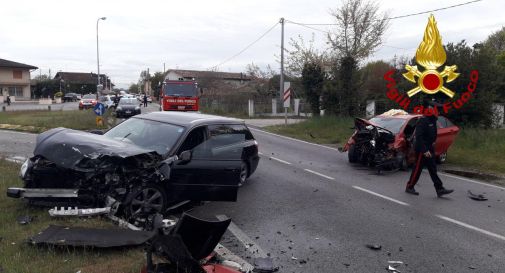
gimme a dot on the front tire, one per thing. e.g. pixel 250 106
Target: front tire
pixel 150 199
pixel 442 158
pixel 352 154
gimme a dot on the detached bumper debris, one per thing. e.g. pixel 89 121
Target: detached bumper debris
pixel 476 197
pixel 78 212
pixel 90 237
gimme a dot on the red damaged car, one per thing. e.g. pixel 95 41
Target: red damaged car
pixel 386 141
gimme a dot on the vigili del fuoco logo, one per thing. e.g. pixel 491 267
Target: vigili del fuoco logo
pixel 430 55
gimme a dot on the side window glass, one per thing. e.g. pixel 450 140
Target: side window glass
pixel 223 143
pixel 194 139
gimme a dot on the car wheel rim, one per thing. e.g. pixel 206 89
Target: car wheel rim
pixel 148 199
pixel 243 173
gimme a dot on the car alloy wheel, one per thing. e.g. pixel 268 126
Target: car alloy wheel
pixel 150 199
pixel 442 158
pixel 244 171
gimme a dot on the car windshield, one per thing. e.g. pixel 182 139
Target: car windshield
pixel 392 124
pixel 148 134
pixel 180 89
pixel 70 94
pixel 89 97
pixel 127 101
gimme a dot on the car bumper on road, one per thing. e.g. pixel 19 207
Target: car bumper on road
pixel 41 193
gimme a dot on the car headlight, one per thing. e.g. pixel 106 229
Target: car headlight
pixel 24 168
pixel 119 108
pixel 137 108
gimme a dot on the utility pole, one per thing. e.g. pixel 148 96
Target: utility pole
pixel 281 91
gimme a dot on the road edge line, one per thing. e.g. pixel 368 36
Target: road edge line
pixel 382 196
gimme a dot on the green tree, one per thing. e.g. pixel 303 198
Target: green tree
pixel 359 31
pixel 134 88
pixel 312 81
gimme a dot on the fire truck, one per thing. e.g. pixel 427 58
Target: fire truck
pixel 179 96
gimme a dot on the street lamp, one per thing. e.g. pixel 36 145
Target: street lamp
pixel 98 56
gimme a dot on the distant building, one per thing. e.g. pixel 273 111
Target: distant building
pixel 81 83
pixel 15 79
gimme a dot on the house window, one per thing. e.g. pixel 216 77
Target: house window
pixel 17 74
pixel 16 91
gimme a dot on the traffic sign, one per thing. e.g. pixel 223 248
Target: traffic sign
pixel 99 109
pixel 287 94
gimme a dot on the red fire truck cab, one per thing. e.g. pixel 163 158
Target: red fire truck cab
pixel 179 96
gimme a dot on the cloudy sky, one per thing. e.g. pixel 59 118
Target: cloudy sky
pixel 199 34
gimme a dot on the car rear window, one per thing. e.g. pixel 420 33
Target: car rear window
pixel 89 96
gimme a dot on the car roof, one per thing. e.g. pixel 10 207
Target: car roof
pixel 188 119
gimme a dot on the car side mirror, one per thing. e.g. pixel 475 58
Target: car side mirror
pixel 185 156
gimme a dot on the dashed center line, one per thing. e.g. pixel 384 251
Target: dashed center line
pixel 381 196
pixel 280 160
pixel 320 174
pixel 483 231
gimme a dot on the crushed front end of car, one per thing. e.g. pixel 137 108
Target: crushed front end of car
pixel 76 168
pixel 373 146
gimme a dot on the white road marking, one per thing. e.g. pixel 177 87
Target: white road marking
pixel 294 139
pixel 472 181
pixel 16 159
pixel 381 196
pixel 249 244
pixel 320 174
pixel 489 233
pixel 280 160
pixel 260 153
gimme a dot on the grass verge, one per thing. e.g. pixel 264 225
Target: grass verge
pixel 16 255
pixel 478 149
pixel 321 130
pixel 39 121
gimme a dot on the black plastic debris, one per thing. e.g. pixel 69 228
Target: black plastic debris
pixel 25 219
pixel 264 265
pixel 476 197
pixel 90 237
pixel 374 247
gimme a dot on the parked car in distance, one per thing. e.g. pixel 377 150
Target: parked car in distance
pixel 87 101
pixel 127 107
pixel 107 101
pixel 147 162
pixel 388 138
pixel 69 97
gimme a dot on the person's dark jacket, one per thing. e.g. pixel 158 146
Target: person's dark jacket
pixel 426 134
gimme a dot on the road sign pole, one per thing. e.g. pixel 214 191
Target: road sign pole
pixel 286 99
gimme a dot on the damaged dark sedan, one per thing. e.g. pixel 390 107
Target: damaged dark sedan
pixel 145 164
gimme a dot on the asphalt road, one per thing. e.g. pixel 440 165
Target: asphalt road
pixel 311 211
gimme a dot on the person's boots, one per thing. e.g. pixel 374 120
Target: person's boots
pixel 443 191
pixel 411 190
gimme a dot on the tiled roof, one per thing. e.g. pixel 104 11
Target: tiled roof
pixel 11 64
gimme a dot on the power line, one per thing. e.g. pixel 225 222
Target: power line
pixel 399 16
pixel 246 48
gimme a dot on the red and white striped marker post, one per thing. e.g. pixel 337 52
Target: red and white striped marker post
pixel 287 100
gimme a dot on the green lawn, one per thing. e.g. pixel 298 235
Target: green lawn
pixel 16 255
pixel 39 121
pixel 477 149
pixel 321 130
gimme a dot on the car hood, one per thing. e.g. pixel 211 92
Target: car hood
pixel 81 150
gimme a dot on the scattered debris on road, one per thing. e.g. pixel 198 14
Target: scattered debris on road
pixel 374 247
pixel 476 197
pixel 264 265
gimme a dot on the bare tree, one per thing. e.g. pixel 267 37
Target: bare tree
pixel 302 53
pixel 359 29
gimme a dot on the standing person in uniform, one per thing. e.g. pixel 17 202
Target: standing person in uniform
pixel 425 137
pixel 8 100
pixel 145 100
